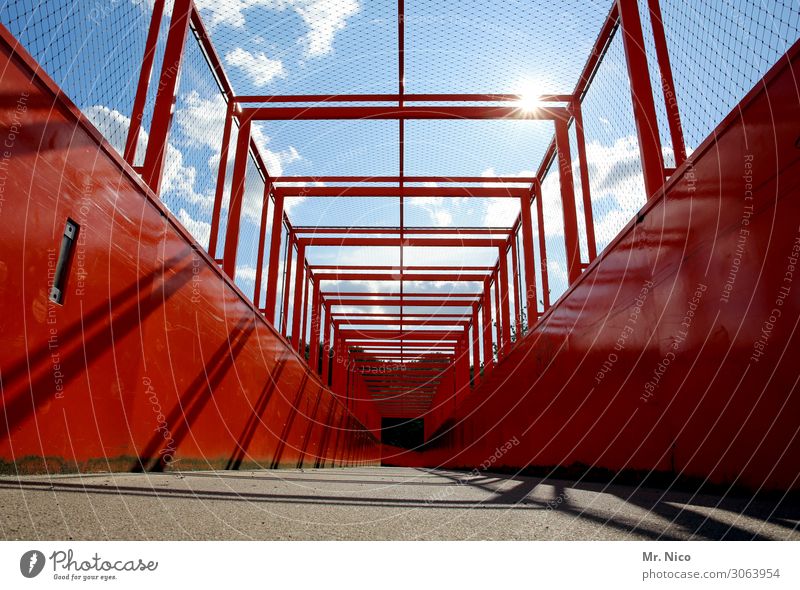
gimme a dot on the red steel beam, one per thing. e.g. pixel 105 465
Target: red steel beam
pixel 505 308
pixel 137 113
pixel 571 240
pixel 404 191
pixel 380 302
pixel 476 352
pixel 515 280
pixel 303 340
pixel 262 238
pixel 397 113
pixel 406 322
pixel 402 97
pixel 667 83
pixel 499 317
pixel 220 187
pixel 347 267
pixel 542 255
pixel 404 296
pixel 313 357
pixel 412 179
pixel 158 140
pixel 644 110
pixel 405 334
pixel 502 231
pixel 410 242
pixel 299 281
pixel 287 271
pixel 527 248
pixel 274 259
pixel 448 277
pixel 486 317
pixel 237 198
pixel 586 193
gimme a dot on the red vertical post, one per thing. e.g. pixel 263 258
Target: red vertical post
pixel 530 268
pixel 303 340
pixel 237 197
pixel 542 248
pixel 644 110
pixel 313 357
pixel 262 237
pixel 287 268
pixel 505 308
pixel 583 165
pixel 220 188
pixel 297 306
pixel 336 378
pixel 667 83
pixel 158 140
pixel 476 347
pixel 515 279
pixel 498 315
pixel 571 240
pixel 486 316
pixel 326 344
pixel 274 257
pixel 137 114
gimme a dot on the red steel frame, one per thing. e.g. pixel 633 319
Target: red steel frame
pixel 331 330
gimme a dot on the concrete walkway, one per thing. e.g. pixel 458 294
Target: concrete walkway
pixel 369 503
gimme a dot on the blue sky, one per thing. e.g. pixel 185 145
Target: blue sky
pixel 719 49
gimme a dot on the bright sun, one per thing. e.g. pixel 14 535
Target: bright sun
pixel 529 92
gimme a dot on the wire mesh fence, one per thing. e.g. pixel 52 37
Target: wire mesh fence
pixel 92 50
pixel 717 49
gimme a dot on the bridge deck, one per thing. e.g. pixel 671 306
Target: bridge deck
pixel 370 503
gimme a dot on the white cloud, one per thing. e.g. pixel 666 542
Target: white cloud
pixel 179 179
pixel 257 66
pixel 199 229
pixel 246 273
pixel 323 19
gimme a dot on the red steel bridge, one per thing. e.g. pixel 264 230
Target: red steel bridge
pixel 607 281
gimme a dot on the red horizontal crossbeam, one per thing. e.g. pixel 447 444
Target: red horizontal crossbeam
pixel 395 113
pixel 405 322
pixel 369 276
pixel 406 242
pixel 466 231
pixel 382 302
pixel 405 191
pixel 412 179
pixel 403 296
pixel 462 97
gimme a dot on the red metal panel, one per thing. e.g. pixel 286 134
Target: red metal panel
pixel 701 395
pixel 138 360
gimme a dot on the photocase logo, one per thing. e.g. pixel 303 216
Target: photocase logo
pixel 31 563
